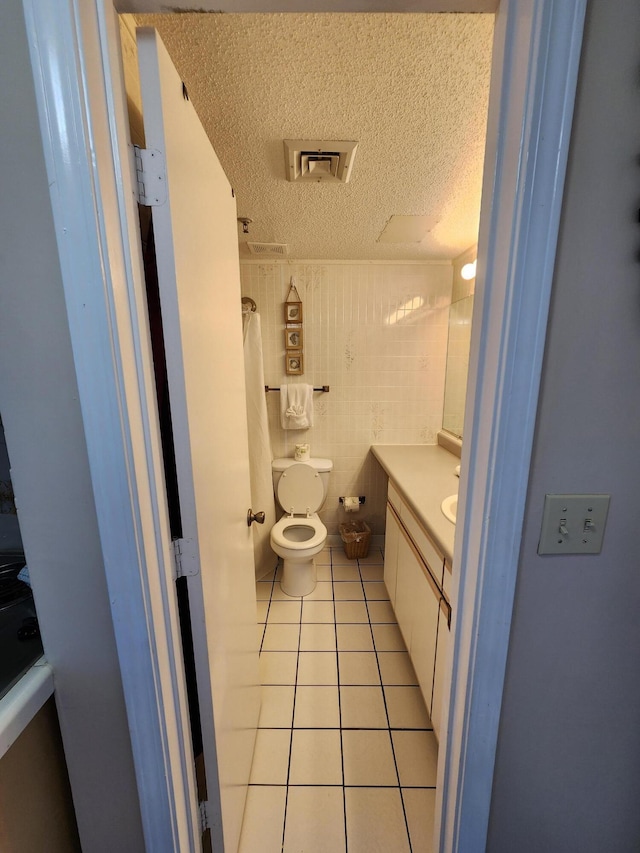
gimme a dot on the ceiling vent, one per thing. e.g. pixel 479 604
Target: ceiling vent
pixel 268 250
pixel 317 161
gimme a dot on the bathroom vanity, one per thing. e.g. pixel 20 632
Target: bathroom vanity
pixel 418 557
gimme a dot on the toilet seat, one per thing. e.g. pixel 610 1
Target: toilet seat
pixel 300 490
pixel 279 532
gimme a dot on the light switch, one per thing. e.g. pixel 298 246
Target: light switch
pixel 573 524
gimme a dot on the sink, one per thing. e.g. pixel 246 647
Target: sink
pixel 449 507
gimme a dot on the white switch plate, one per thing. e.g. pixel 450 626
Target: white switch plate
pixel 573 524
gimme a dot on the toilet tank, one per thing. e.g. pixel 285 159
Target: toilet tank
pixel 323 466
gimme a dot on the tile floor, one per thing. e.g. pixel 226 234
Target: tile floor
pixel 345 756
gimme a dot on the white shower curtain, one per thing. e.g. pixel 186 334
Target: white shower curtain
pixel 260 456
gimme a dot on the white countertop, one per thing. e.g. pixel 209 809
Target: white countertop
pixel 424 476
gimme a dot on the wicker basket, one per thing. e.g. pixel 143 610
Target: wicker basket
pixel 356 536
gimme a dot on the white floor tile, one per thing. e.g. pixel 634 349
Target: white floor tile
pixel 263 821
pixel 375 557
pixel 368 759
pixel 323 572
pixel 260 633
pixel 322 592
pixel 346 573
pixel 276 710
pixel 315 757
pixel 317 708
pixel 354 638
pixel 339 558
pixel 315 821
pixel 317 611
pixel 317 638
pixel 263 590
pixel 285 611
pixel 358 668
pixel 351 611
pixel 280 637
pixel 263 606
pixel 270 757
pixel 280 595
pixel 371 573
pixel 379 611
pixel 388 638
pixel 348 591
pixel 268 577
pixel 317 668
pixel 362 708
pixel 406 708
pixel 375 591
pixel 278 667
pixel 375 821
pixel 323 558
pixel 420 805
pixel 396 668
pixel 417 758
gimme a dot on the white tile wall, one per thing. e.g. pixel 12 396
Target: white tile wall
pixel 377 334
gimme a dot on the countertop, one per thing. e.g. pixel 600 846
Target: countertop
pixel 423 474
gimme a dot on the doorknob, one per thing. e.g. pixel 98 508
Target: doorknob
pixel 257 516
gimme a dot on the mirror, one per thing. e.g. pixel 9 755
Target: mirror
pixel 459 343
pixel 455 389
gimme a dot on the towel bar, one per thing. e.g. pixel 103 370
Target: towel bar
pixel 324 388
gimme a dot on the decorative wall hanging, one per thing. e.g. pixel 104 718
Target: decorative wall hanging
pixel 293 334
pixel 294 362
pixel 293 338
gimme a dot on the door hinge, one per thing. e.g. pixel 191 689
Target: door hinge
pixel 151 176
pixel 185 558
pixel 203 806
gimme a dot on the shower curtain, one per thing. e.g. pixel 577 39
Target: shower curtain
pixel 260 456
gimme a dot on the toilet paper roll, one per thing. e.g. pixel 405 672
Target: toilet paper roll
pixel 352 504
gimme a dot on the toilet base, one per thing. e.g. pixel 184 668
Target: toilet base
pixel 298 577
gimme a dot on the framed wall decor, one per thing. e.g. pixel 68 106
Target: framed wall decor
pixel 293 339
pixel 293 362
pixel 293 312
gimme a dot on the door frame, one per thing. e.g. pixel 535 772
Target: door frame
pixel 535 65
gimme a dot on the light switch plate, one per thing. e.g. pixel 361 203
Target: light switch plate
pixel 573 524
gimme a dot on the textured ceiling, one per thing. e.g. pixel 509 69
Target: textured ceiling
pixel 412 89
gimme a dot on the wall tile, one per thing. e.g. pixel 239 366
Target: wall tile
pixel 377 334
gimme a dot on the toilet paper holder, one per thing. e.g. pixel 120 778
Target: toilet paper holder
pixel 361 499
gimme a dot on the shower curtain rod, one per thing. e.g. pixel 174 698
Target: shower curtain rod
pixel 324 388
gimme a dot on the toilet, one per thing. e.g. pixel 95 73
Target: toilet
pixel 301 489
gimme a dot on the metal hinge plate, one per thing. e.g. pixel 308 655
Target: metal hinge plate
pixel 185 558
pixel 151 176
pixel 203 806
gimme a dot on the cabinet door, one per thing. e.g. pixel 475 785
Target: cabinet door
pixel 407 585
pixel 424 632
pixel 440 681
pixel 392 530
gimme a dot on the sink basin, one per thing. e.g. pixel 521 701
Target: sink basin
pixel 449 507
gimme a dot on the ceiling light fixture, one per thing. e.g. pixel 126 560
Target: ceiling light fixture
pixel 468 271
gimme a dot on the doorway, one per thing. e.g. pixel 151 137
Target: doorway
pixel 501 280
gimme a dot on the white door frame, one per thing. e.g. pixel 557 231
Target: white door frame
pixel 533 84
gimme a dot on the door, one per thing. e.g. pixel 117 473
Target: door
pixel 199 281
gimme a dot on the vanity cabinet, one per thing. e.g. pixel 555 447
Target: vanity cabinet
pixel 415 577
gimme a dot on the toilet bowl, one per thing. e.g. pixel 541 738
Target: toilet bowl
pixel 299 535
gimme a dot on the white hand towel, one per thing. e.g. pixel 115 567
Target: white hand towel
pixel 296 406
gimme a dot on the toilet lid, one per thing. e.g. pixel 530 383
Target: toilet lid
pixel 300 489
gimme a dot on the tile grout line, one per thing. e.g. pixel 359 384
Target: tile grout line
pixel 386 710
pixel 293 713
pixel 335 629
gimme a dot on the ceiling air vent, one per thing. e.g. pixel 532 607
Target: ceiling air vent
pixel 317 161
pixel 268 250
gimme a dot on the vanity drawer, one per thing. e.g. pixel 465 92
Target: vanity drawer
pixel 428 550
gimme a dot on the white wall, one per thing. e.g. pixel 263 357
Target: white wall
pixel 44 432
pixel 384 363
pixel 567 776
